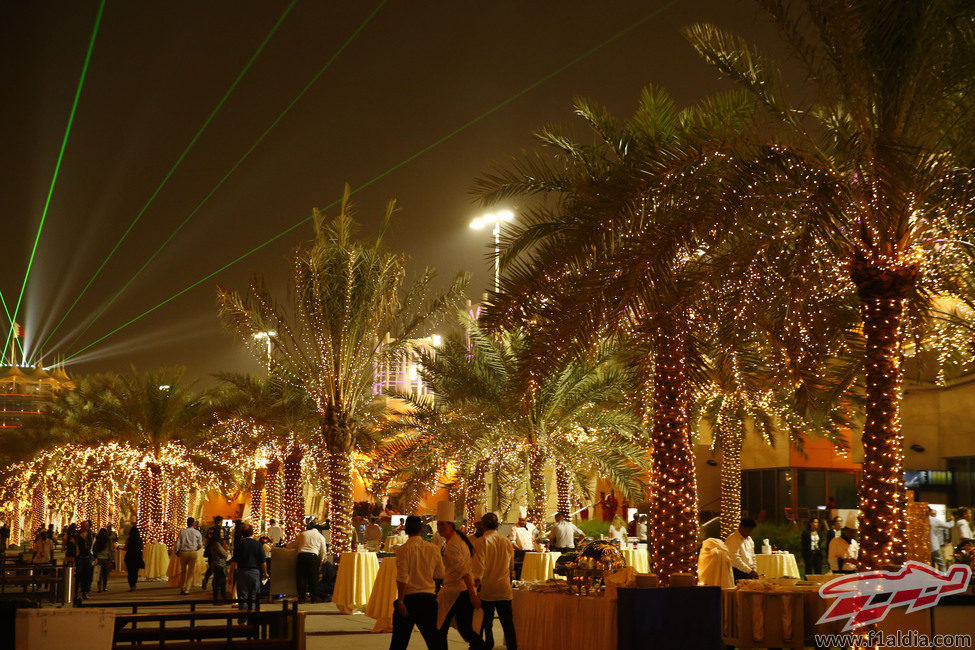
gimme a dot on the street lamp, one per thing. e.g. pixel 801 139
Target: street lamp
pixel 494 218
pixel 267 338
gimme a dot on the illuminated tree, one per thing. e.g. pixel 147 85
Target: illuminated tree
pixel 861 172
pixel 350 310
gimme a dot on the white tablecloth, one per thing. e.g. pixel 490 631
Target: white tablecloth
pixel 393 541
pixel 636 559
pixel 156 557
pixel 380 605
pixel 547 621
pixel 777 565
pixel 353 584
pixel 539 566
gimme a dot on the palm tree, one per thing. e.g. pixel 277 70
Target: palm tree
pixel 607 224
pixel 493 408
pixel 350 309
pixel 862 173
pixel 276 424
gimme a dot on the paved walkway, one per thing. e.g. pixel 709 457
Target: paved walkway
pixel 325 627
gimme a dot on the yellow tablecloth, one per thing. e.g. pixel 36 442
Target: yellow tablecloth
pixel 353 584
pixel 636 559
pixel 156 557
pixel 120 559
pixel 539 566
pixel 777 565
pixel 546 621
pixel 380 605
pixel 172 572
pixel 393 541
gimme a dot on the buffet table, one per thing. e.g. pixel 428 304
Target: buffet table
pixel 637 559
pixel 539 566
pixel 776 565
pixel 393 541
pixel 545 621
pixel 782 617
pixel 353 584
pixel 380 605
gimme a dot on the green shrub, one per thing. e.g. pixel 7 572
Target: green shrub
pixel 785 537
pixel 593 528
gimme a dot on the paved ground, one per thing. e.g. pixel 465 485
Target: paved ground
pixel 325 627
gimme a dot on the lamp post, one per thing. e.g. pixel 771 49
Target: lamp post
pixel 267 338
pixel 494 218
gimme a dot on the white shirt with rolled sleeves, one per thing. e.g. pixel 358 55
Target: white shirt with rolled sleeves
pixel 937 528
pixel 189 539
pixel 275 533
pixel 521 538
pixel 417 564
pixel 494 560
pixel 742 551
pixel 311 541
pixel 564 534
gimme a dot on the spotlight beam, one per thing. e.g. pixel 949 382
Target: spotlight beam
pixel 587 53
pixel 162 183
pixel 237 164
pixel 57 167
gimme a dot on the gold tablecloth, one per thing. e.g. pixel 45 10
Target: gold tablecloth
pixel 156 557
pixel 120 559
pixel 172 572
pixel 353 584
pixel 546 621
pixel 539 566
pixel 777 565
pixel 637 559
pixel 380 605
pixel 783 618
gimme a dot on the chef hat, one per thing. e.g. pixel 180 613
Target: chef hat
pixel 523 512
pixel 851 521
pixel 445 511
pixel 478 512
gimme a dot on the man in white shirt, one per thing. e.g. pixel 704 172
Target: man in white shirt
pixel 417 564
pixel 374 535
pixel 311 552
pixel 494 560
pixel 938 527
pixel 275 533
pixel 843 549
pixel 188 545
pixel 741 548
pixel 564 534
pixel 522 541
pixel 962 530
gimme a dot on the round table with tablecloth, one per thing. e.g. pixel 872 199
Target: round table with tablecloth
pixel 539 566
pixel 380 605
pixel 173 571
pixel 569 622
pixel 393 541
pixel 156 557
pixel 353 584
pixel 120 559
pixel 636 558
pixel 776 565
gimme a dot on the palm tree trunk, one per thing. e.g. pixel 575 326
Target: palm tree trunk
pixel 563 483
pixel 340 499
pixel 272 491
pixel 38 511
pixel 474 496
pixel 149 513
pixel 294 498
pixel 176 510
pixel 673 510
pixel 257 501
pixel 882 292
pixel 731 442
pixel 536 481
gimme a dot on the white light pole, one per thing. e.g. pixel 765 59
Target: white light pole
pixel 267 338
pixel 494 218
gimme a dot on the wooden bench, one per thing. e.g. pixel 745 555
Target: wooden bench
pixel 40 579
pixel 275 629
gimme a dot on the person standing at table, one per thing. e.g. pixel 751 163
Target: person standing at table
pixel 133 556
pixel 961 530
pixel 812 547
pixel 741 548
pixel 248 565
pixel 458 597
pixel 835 524
pixel 373 535
pixel 641 529
pixel 617 530
pixel 494 560
pixel 564 534
pixel 189 542
pixel 521 540
pixel 418 564
pixel 938 529
pixel 843 549
pixel 275 533
pixel 311 553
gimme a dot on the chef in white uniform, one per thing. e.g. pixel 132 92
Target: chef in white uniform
pixel 843 549
pixel 457 599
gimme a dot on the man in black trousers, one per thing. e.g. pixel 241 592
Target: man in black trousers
pixel 311 552
pixel 418 563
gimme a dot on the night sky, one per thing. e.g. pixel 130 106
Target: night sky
pixel 416 72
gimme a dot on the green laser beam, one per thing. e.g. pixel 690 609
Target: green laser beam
pixel 382 175
pixel 159 187
pixel 57 168
pixel 10 318
pixel 237 164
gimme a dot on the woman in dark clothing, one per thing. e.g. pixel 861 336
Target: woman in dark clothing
pixel 133 556
pixel 812 547
pixel 84 562
pixel 70 546
pixel 104 555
